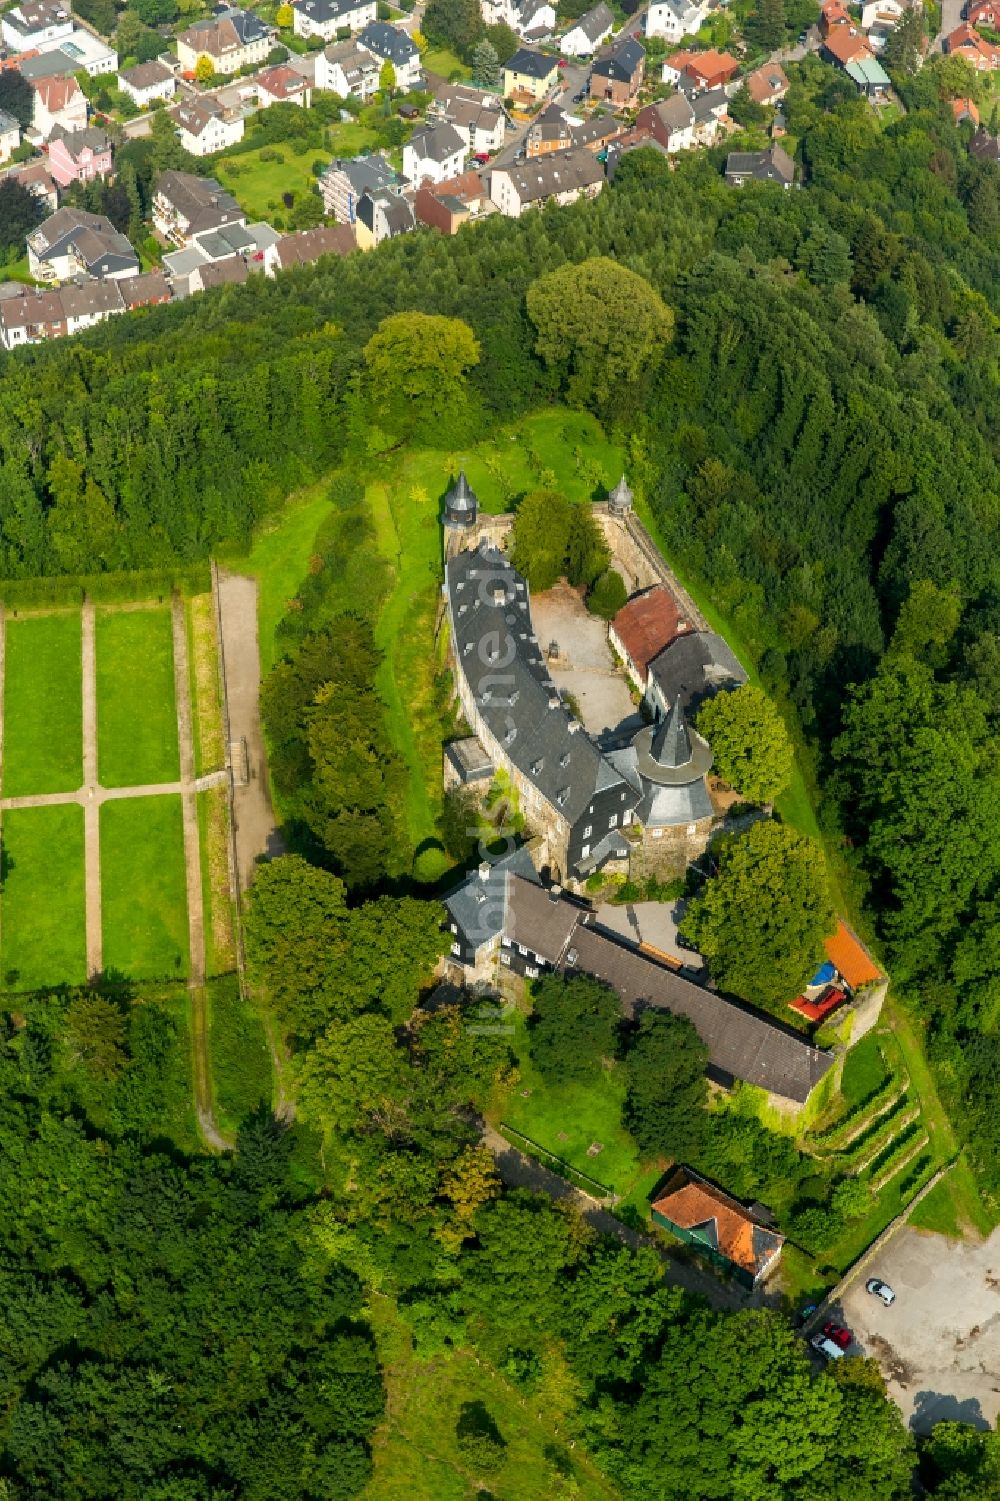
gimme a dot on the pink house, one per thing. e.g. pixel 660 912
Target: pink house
pixel 79 155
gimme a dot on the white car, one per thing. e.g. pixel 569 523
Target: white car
pixel 880 1289
pixel 826 1347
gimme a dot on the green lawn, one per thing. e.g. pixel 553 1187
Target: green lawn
pixel 43 707
pixel 144 892
pixel 279 559
pixel 241 1062
pixel 42 909
pixel 444 62
pixel 258 185
pixel 136 706
pixel 567 1119
pixel 415 1452
pixel 865 1070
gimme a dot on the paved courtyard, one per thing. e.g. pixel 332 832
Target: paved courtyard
pixel 939 1343
pixel 586 668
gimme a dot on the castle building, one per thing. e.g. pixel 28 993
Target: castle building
pixel 461 505
pixel 667 764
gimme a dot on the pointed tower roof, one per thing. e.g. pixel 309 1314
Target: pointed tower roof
pixel 672 743
pixel 461 496
pixel 621 496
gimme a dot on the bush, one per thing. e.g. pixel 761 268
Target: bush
pixel 384 11
pixel 479 1439
pixel 608 595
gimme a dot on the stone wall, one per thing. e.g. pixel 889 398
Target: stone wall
pixel 669 855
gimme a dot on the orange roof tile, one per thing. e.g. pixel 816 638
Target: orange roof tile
pixel 847 45
pixel 691 1203
pixel 647 624
pixel 851 957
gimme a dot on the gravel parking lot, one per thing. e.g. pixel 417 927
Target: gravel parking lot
pixel 939 1343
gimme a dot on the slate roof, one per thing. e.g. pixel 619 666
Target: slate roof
pixel 397 212
pixel 309 244
pixel 201 201
pixel 388 42
pixel 596 23
pixel 773 165
pixel 323 11
pixel 139 291
pixel 532 64
pixel 145 75
pixel 7 123
pixel 560 172
pixel 224 33
pixel 693 1204
pixel 364 173
pixel 438 143
pixel 742 1043
pixel 92 236
pixel 76 140
pixel 478 906
pixel 622 63
pixel 491 618
pixel 694 667
pixel 81 299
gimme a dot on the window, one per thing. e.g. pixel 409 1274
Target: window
pixel 456 949
pixel 657 833
pixel 454 927
pixel 588 831
pixel 613 821
pixel 692 829
pixel 585 852
pixel 505 959
pixel 522 950
pixel 531 971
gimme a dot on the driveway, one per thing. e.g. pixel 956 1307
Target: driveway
pixel 585 667
pixel 951 16
pixel 939 1343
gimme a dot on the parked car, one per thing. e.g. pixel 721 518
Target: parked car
pixel 482 157
pixel 840 1336
pixel 826 1347
pixel 580 97
pixel 563 63
pixel 880 1289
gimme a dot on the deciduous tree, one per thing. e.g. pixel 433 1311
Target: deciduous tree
pixel 750 745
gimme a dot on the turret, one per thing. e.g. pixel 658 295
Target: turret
pixel 621 498
pixel 461 507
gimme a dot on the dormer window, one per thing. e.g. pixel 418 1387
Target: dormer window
pixel 510 737
pixel 467 647
pixel 562 796
pixel 515 696
pixel 564 759
pixel 536 766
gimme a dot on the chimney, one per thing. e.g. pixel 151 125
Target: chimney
pixel 484 870
pixel 573 726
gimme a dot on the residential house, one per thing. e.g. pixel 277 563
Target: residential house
pixel 586 35
pixel 27 316
pixel 618 77
pixel 145 290
pixel 870 76
pixel 185 206
pixel 550 132
pixel 704 70
pixel 670 122
pixel 530 75
pixel 324 18
pixel 206 126
pixel 563 177
pixel 449 205
pixel 434 155
pixel 36 177
pixel 710 115
pixel 79 52
pixel 10 136
pixel 282 85
pixel 57 101
pixel 391 45
pixel 645 627
pixel 232 271
pixel 879 18
pixel 691 669
pixel 532 20
pixel 767 84
pixel 845 44
pixel 347 68
pixel 247 243
pixel 344 181
pixel 965 110
pixel 674 19
pixel 85 303
pixel 725 1232
pixel 772 165
pixel 833 13
pixel 966 42
pixel 597 133
pixel 984 146
pixel 231 40
pixel 72 242
pixel 984 13
pixel 147 82
pixel 480 115
pixel 79 155
pixel 382 215
pixel 34 22
pixel 477 911
pixel 307 247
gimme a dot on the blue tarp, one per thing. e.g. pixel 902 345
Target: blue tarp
pixel 824 974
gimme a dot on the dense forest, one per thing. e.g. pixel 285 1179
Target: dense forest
pixel 817 445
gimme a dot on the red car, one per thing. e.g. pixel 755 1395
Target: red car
pixel 482 157
pixel 840 1336
pixel 563 63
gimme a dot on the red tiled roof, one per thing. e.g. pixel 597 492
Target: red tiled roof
pixel 965 109
pixel 814 1011
pixel 56 93
pixel 647 624
pixel 851 958
pixel 690 1203
pixel 711 64
pixel 847 45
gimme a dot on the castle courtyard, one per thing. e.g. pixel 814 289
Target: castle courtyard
pixel 585 667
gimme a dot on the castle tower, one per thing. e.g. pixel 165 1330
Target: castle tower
pixel 621 498
pixel 461 506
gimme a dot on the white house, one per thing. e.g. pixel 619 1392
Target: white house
pixel 36 21
pixel 282 85
pixel 232 40
pixel 563 176
pixel 390 45
pixel 58 101
pixel 435 155
pixel 205 127
pixel 10 135
pixel 73 243
pixel 347 68
pixel 146 82
pixel 672 19
pixel 83 53
pixel 479 116
pixel 534 18
pixel 324 18
pixel 586 35
pixel 88 302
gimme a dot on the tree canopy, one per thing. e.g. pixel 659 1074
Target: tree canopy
pixel 574 1027
pixel 750 745
pixel 554 538
pixel 666 1090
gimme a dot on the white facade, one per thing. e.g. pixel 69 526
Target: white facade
pixel 580 43
pixel 423 164
pixel 58 101
pixel 673 19
pixel 346 69
pixel 143 92
pixel 10 136
pixel 90 54
pixel 324 18
pixel 216 134
pixel 522 16
pixel 28 26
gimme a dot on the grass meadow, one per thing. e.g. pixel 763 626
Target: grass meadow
pixel 43 937
pixel 143 888
pixel 136 704
pixel 43 705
